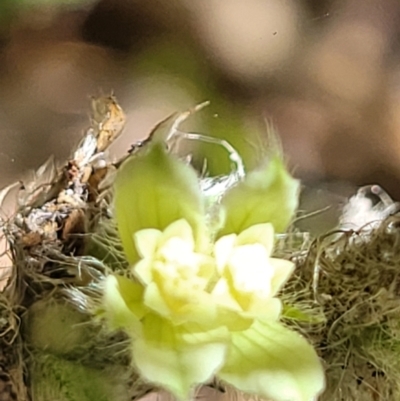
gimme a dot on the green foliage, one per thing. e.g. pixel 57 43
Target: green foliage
pixel 55 378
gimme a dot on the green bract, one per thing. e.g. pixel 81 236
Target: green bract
pixel 152 190
pixel 201 304
pixel 269 194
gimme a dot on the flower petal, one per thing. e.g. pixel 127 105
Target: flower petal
pixel 178 358
pixel 181 229
pixel 259 233
pixel 283 270
pixel 122 302
pixel 143 270
pixel 265 309
pixel 250 274
pixel 155 301
pixel 223 297
pixel 274 362
pixel 222 251
pixel 146 241
pixel 180 304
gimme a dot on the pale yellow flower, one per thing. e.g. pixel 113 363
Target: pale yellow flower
pixel 248 274
pixel 174 275
pixel 200 307
pixel 239 280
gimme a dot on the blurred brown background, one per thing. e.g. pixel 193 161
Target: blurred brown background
pixel 326 73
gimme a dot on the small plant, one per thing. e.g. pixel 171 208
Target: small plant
pixel 198 302
pixel 143 274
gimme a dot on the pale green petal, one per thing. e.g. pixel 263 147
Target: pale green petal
pixel 143 270
pixel 155 301
pixel 259 233
pixel 182 304
pixel 265 309
pixel 222 295
pixel 233 320
pixel 152 190
pixel 267 195
pixel 200 309
pixel 230 313
pixel 122 302
pixel 222 251
pixel 273 362
pixel 181 229
pixel 251 271
pixel 178 358
pixel 283 270
pixel 146 241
